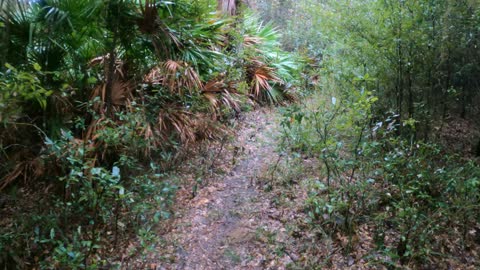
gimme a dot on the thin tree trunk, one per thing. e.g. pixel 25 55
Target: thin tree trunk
pixel 111 65
pixel 478 149
pixel 446 89
pixel 429 100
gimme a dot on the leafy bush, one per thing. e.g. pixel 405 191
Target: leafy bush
pixel 94 207
pixel 414 196
pixel 20 89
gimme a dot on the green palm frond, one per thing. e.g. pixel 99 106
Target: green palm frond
pixel 20 20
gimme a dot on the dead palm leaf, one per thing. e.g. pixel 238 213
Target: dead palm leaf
pixel 260 76
pixel 171 69
pixel 121 92
pixel 218 93
pixel 212 99
pixel 191 80
pixel 251 41
pixel 176 122
pixel 176 76
pixel 29 170
pixel 214 86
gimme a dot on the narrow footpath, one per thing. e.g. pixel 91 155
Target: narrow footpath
pixel 232 223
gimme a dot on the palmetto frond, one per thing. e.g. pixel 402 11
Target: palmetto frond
pixel 176 121
pixel 122 88
pixel 264 38
pixel 261 76
pixel 177 76
pixel 220 94
pixel 19 20
pixel 251 41
pixel 164 39
pixel 201 42
pixel 121 92
pixel 285 64
pixel 31 168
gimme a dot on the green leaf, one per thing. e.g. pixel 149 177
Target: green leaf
pixel 48 141
pixel 37 67
pixel 7 65
pixel 91 80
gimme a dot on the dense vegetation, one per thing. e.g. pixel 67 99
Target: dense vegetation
pixel 101 100
pixel 393 122
pixel 420 58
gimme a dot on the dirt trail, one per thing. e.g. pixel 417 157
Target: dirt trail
pixel 231 223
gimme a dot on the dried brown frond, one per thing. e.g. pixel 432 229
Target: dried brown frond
pixel 176 76
pixel 61 103
pixel 95 125
pixel 121 88
pixel 147 132
pixel 291 97
pixel 172 66
pixel 171 69
pixel 176 121
pixel 98 91
pixel 192 79
pixel 260 76
pixel 208 128
pixel 251 41
pixel 218 93
pixel 100 60
pixel 27 170
pixel 122 91
pixel 155 76
pixel 13 175
pixel 150 24
pixel 231 100
pixel 212 99
pixel 214 86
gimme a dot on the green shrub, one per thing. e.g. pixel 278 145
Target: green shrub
pixel 411 190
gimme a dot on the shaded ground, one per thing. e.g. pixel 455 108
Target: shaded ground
pixel 249 216
pixel 231 223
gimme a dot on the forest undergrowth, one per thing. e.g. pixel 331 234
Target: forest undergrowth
pixel 100 103
pixel 121 134
pixel 383 151
pixel 370 199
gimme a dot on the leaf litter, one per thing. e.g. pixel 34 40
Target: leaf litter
pixel 230 222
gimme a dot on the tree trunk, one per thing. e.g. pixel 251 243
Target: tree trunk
pixel 477 152
pixel 229 7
